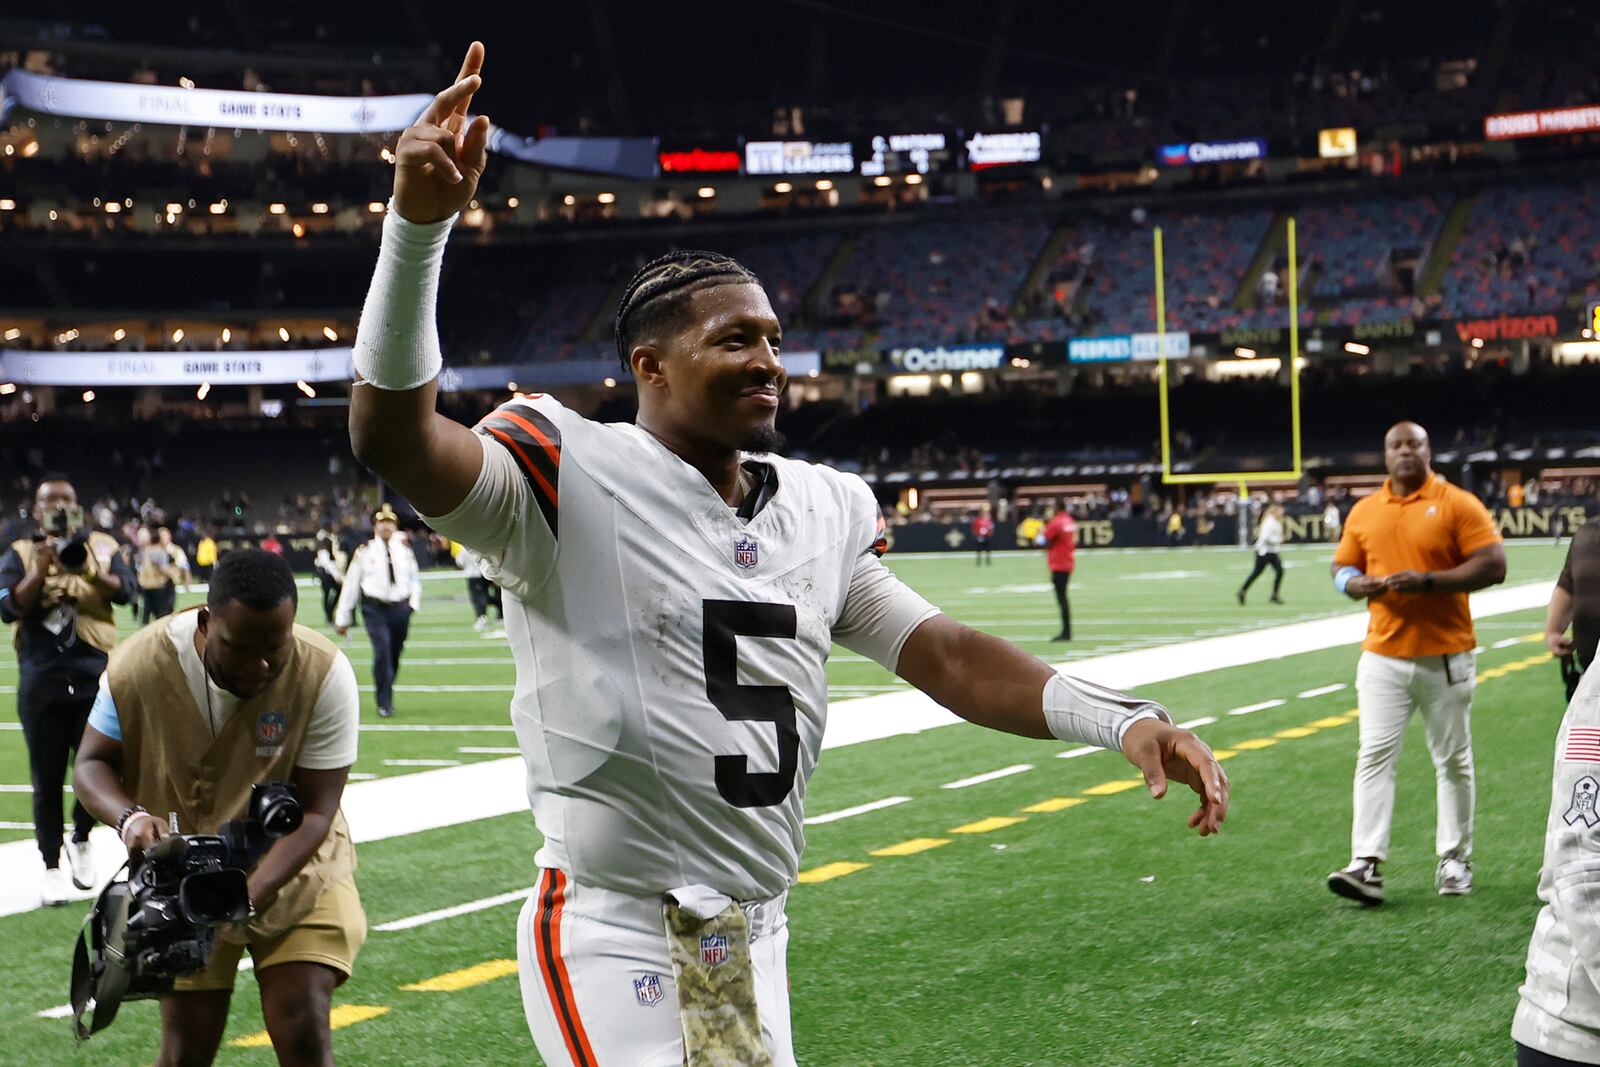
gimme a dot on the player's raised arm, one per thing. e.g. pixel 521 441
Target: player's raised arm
pixel 394 429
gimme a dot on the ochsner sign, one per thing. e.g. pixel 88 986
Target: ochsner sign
pixel 953 358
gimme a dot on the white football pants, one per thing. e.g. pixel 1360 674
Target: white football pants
pixel 1388 689
pixel 597 982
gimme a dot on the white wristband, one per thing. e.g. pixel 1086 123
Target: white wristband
pixel 397 342
pixel 1076 710
pixel 133 821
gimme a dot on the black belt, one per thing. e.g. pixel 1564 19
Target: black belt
pixel 382 603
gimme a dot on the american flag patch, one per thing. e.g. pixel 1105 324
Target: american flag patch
pixel 1583 745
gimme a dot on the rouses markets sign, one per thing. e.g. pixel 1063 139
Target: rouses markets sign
pixel 943 358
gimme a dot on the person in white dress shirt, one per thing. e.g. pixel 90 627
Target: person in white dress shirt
pixel 382 577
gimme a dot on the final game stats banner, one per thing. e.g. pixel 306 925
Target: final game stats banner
pixel 107 369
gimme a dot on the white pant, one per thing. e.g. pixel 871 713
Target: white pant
pixel 1388 689
pixel 597 983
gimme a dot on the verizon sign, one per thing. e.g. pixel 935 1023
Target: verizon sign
pixel 1541 123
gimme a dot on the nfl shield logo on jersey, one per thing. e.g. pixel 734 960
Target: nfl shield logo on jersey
pixel 714 950
pixel 745 552
pixel 648 990
pixel 270 727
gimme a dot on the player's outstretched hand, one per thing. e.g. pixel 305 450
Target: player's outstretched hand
pixel 440 159
pixel 1165 752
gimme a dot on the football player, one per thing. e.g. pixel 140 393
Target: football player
pixel 673 588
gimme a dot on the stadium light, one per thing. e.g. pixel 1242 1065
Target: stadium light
pixel 200 393
pixel 174 208
pixel 283 333
pixel 330 333
pixel 607 198
pixel 512 201
pixel 112 207
pixel 882 180
pixel 812 373
pixel 8 204
pixel 299 230
pixel 88 396
pixel 177 335
pixel 569 200
pixel 53 214
pixel 1356 349
pixel 277 209
pixel 185 81
pixel 1245 353
pixel 227 335
pixel 127 201
pixel 824 184
pixel 219 207
pixel 375 207
pixel 319 208
pixel 783 187
pixel 304 388
pixel 7 388
pixel 913 179
pixel 610 383
pixel 11 149
pixel 511 387
pixel 705 192
pixel 30 149
pixel 13 333
pixel 1477 342
pixel 118 334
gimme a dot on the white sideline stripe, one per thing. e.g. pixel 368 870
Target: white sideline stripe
pixel 1321 691
pixel 1195 724
pixel 859 809
pixel 1507 642
pixel 1250 709
pixel 979 779
pixel 446 689
pixel 27 789
pixel 422 763
pixel 404 804
pixel 480 750
pixel 450 913
pixel 435 728
pixel 361 776
pixel 8 825
pixel 1074 753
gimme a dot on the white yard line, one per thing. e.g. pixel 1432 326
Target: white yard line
pixel 1321 691
pixel 449 796
pixel 481 750
pixel 422 763
pixel 859 809
pixel 1251 709
pixel 979 779
pixel 1195 724
pixel 1074 753
pixel 450 913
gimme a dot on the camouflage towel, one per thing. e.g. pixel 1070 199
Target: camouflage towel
pixel 716 988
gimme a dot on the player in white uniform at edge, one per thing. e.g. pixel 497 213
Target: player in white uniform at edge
pixel 671 599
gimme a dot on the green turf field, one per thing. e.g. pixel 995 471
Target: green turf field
pixel 1051 916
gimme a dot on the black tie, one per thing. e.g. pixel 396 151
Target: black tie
pixel 388 557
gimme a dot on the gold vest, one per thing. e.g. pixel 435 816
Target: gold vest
pixel 97 624
pixel 170 761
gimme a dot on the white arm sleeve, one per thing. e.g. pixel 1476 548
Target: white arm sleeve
pixel 880 612
pixel 397 340
pixel 330 740
pixel 500 521
pixel 1076 710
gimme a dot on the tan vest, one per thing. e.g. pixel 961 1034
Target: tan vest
pixel 96 622
pixel 170 761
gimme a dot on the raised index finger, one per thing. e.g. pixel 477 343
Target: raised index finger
pixel 471 64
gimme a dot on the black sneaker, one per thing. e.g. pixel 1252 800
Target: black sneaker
pixel 1359 882
pixel 1062 636
pixel 1240 595
pixel 1276 599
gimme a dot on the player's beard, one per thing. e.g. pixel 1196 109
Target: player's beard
pixel 763 438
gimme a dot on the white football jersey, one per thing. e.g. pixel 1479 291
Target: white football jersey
pixel 1559 1012
pixel 670 651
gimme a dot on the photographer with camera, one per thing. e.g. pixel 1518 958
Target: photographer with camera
pixel 192 715
pixel 57 589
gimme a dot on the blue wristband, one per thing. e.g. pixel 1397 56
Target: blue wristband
pixel 1342 578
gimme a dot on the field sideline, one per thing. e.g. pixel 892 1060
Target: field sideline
pixel 1015 907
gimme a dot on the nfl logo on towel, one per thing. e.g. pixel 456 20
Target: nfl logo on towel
pixel 648 990
pixel 713 950
pixel 745 553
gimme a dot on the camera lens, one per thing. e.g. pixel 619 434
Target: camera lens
pixel 74 553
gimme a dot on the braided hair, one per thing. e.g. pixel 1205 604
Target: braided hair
pixel 659 294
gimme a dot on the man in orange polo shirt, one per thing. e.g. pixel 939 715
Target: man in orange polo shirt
pixel 1414 550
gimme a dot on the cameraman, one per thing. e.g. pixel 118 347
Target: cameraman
pixel 58 588
pixel 194 711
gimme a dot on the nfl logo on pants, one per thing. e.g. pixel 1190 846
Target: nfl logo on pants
pixel 648 990
pixel 713 949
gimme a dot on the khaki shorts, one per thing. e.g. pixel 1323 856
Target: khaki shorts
pixel 331 935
